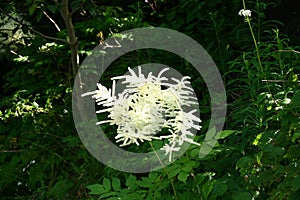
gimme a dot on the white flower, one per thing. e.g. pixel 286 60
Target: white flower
pixel 147 105
pixel 169 149
pixel 245 13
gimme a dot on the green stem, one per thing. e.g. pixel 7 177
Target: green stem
pixel 256 48
pixel 171 180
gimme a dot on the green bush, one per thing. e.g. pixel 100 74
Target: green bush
pixel 256 157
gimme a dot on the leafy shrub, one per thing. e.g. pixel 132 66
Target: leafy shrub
pixel 256 157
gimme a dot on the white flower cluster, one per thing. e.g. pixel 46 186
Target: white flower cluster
pixel 147 105
pixel 245 13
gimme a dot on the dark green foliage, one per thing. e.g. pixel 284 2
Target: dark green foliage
pixel 256 157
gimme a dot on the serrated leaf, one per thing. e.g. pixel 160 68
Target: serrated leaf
pixel 109 194
pixel 153 175
pixel 131 182
pixel 145 182
pixel 96 189
pixel 106 184
pixel 116 184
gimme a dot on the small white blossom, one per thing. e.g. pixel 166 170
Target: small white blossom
pixel 245 13
pixel 147 105
pixel 169 149
pixel 32 162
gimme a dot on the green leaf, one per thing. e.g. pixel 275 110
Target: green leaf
pixel 39 16
pixel 219 189
pixel 173 171
pixel 243 162
pixel 60 188
pixel 226 133
pixel 109 194
pixel 183 176
pixel 206 149
pixel 206 189
pixel 241 195
pixel 272 150
pixel 52 8
pixel 106 184
pixel 131 182
pixel 145 182
pixel 200 178
pixel 164 184
pixel 135 195
pixel 32 9
pixel 194 153
pixel 296 98
pixel 256 141
pixel 208 143
pixel 210 134
pixel 153 175
pixel 296 183
pixel 296 136
pixel 116 184
pixel 96 189
pixel 112 198
pixel 188 167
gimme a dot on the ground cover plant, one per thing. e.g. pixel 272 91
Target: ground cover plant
pixel 43 44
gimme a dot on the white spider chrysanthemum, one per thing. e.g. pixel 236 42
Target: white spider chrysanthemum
pixel 245 13
pixel 143 108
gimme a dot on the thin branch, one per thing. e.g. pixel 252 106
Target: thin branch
pixel 73 43
pixel 49 37
pixel 11 151
pixel 33 30
pixel 277 81
pixel 75 10
pixel 55 24
pixel 287 50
